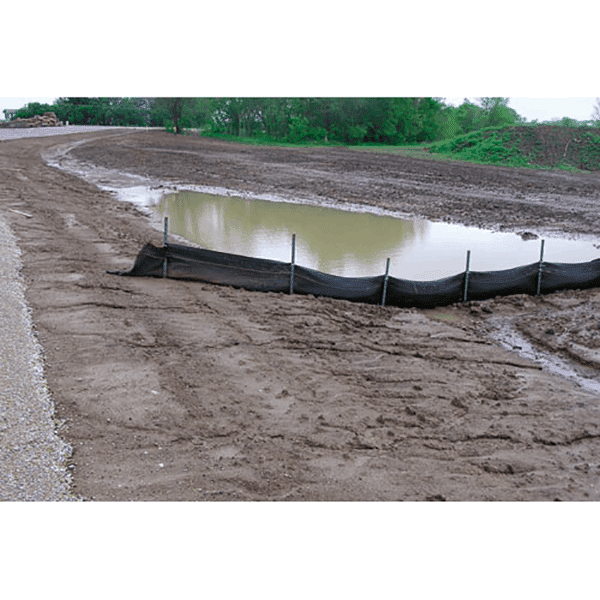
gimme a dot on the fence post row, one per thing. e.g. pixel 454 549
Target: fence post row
pixel 385 282
pixel 467 276
pixel 539 281
pixel 292 264
pixel 165 235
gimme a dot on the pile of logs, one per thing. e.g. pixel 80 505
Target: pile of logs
pixel 48 119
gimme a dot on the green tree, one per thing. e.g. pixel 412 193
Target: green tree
pixel 497 113
pixel 470 116
pixel 450 126
pixel 171 109
pixel 236 116
pixel 318 114
pixel 430 119
pixel 99 111
pixel 32 109
pixel 180 113
pixel 345 120
pixel 275 116
pixel 79 111
pixel 380 119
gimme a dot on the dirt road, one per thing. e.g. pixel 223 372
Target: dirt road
pixel 174 390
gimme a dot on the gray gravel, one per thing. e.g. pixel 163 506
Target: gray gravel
pixel 33 458
pixel 13 134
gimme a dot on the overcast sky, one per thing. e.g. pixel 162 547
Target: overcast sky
pixel 315 51
pixel 546 109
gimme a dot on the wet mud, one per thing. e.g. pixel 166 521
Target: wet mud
pixel 175 390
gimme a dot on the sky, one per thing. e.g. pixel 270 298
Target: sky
pixel 546 109
pixel 542 109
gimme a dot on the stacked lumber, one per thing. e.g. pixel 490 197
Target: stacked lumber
pixel 48 119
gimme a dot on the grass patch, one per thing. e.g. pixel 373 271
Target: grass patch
pixel 258 141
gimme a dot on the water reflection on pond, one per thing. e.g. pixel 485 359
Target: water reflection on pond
pixel 353 244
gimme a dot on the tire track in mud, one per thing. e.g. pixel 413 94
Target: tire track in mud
pixel 505 332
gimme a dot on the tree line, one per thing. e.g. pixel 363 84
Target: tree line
pixel 392 121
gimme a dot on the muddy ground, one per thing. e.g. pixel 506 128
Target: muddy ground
pixel 171 390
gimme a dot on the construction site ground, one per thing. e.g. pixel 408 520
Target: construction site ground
pixel 186 391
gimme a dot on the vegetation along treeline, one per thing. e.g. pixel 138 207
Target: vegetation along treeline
pixel 393 121
pixel 484 130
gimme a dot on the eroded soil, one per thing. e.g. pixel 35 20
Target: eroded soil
pixel 176 390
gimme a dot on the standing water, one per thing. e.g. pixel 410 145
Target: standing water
pixel 353 244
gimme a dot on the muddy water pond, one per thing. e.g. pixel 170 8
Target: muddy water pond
pixel 353 244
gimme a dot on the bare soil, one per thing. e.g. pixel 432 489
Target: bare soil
pixel 174 390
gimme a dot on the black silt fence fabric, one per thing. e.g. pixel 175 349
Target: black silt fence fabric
pixel 425 294
pixel 264 275
pixel 489 284
pixel 256 274
pixel 570 276
pixel 358 289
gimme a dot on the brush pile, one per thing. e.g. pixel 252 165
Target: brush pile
pixel 48 119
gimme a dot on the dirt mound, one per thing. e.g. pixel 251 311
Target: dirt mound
pixel 539 146
pixel 556 146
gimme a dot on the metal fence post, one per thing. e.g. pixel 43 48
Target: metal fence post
pixel 292 264
pixel 385 282
pixel 467 276
pixel 539 281
pixel 165 236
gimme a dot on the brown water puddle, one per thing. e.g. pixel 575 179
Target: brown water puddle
pixel 353 244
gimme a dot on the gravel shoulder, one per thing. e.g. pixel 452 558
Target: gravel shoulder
pixel 174 390
pixel 33 458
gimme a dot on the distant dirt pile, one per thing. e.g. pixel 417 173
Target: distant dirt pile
pixel 48 119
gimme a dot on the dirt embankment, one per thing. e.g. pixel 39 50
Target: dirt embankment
pixel 175 390
pixel 543 146
pixel 548 146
